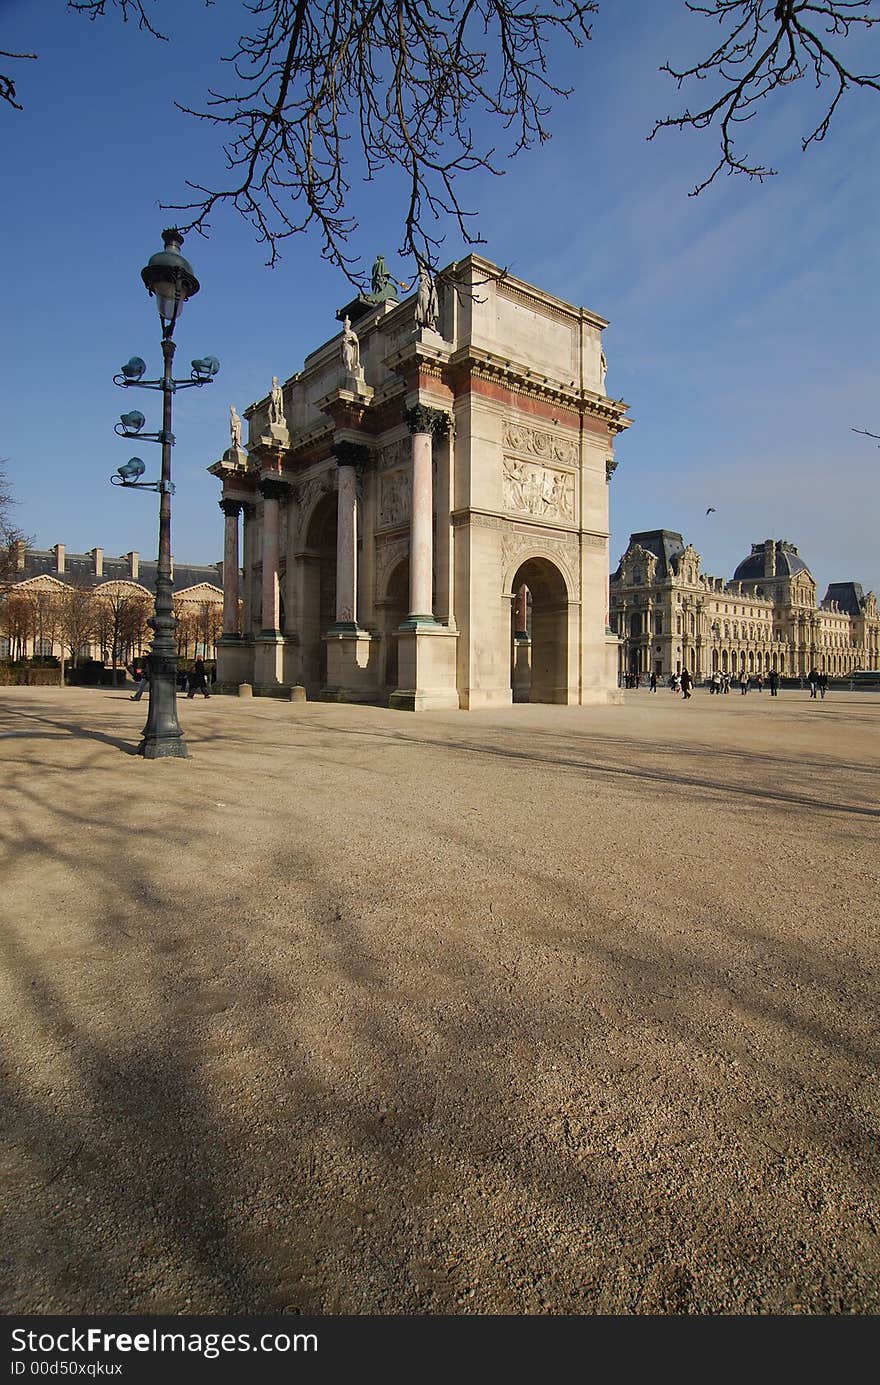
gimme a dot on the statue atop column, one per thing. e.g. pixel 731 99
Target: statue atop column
pixel 235 428
pixel 381 279
pixel 276 404
pixel 427 305
pixel 351 350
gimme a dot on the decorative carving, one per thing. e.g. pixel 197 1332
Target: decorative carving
pixel 610 467
pixel 273 489
pixel 396 454
pixel 351 349
pixel 307 495
pixel 388 555
pixel 276 404
pixel 421 419
pixel 235 427
pixel 395 498
pixel 603 369
pixel 231 508
pixel 537 442
pixel 516 547
pixel 351 454
pixel 536 490
pixel 427 306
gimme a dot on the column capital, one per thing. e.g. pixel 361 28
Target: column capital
pixel 231 508
pixel 273 489
pixel 354 454
pixel 422 419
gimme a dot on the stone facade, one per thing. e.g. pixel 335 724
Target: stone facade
pixel 669 615
pixel 40 578
pixel 416 486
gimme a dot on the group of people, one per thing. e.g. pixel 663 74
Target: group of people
pixel 196 680
pixel 818 683
pixel 722 682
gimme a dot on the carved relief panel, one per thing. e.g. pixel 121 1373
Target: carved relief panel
pixel 532 484
pixel 395 494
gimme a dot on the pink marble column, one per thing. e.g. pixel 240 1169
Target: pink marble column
pixel 521 611
pixel 273 492
pixel 350 458
pixel 247 544
pixel 422 422
pixel 231 509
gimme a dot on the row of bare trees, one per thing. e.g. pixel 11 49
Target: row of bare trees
pixel 112 621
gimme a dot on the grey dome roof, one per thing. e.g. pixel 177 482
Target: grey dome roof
pixel 757 567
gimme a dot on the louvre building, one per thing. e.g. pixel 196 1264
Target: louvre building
pixel 670 615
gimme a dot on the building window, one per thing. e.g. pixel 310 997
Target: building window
pixel 658 624
pixel 4 647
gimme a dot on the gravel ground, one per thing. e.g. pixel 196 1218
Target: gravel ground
pixel 552 1010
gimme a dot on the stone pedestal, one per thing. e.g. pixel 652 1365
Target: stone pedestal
pixel 235 662
pixel 522 668
pixel 353 667
pixel 269 664
pixel 426 662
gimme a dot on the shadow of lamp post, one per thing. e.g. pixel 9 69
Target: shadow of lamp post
pixel 169 278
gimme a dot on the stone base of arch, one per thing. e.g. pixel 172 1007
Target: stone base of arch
pixel 235 663
pixel 354 672
pixel 426 664
pixel 269 651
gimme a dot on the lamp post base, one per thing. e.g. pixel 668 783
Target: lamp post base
pixel 162 736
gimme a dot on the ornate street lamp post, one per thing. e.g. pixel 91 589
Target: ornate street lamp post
pixel 169 278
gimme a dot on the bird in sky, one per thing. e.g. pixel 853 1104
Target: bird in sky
pixel 711 510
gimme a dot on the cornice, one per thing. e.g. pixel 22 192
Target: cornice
pixel 521 379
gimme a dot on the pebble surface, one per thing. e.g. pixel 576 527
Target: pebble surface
pixel 547 1010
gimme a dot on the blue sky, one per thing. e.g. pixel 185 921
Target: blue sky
pixel 743 323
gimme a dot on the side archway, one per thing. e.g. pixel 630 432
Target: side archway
pixel 549 653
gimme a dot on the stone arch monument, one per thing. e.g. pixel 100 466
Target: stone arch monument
pixel 457 484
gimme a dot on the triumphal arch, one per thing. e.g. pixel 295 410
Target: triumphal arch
pixel 419 516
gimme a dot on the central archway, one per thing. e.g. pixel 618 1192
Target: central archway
pixel 547 676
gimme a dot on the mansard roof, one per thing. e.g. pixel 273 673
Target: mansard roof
pixel 849 596
pixel 80 567
pixel 758 565
pixel 666 546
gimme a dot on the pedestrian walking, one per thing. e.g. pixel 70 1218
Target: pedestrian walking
pixel 715 685
pixel 198 679
pixel 686 683
pixel 813 680
pixel 823 685
pixel 759 682
pixel 139 674
pixel 773 682
pixel 743 684
pixel 653 682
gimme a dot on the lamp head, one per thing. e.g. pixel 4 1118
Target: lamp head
pixel 170 279
pixel 133 422
pixel 205 367
pixel 134 369
pixel 132 469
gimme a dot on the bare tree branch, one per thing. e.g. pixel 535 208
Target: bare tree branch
pixel 768 45
pixel 7 84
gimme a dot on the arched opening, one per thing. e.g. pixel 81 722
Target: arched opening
pixel 396 610
pixel 319 592
pixel 546 603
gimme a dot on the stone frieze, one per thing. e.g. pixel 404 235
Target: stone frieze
pixel 538 490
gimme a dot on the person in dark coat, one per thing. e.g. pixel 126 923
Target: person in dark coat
pixel 686 683
pixel 773 680
pixel 813 680
pixel 198 679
